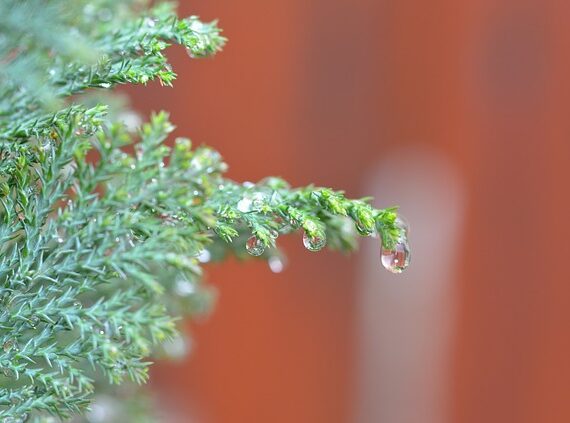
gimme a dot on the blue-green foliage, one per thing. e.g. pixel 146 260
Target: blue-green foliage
pixel 99 224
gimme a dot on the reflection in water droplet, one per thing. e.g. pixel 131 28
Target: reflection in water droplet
pixel 397 259
pixel 314 243
pixel 254 246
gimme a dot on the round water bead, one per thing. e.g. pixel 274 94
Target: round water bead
pixel 177 347
pixel 184 288
pixel 258 200
pixel 204 256
pixel 314 243
pixel 254 246
pixel 8 345
pixel 276 264
pixel 34 321
pixel 363 230
pixel 244 205
pixel 397 259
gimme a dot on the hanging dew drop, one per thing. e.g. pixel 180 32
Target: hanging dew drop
pixel 314 243
pixel 204 256
pixel 363 230
pixel 254 246
pixel 276 264
pixel 177 348
pixel 397 259
pixel 402 224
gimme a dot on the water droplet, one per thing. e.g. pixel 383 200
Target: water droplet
pixel 314 243
pixel 8 345
pixel 184 288
pixel 60 240
pixel 363 230
pixel 258 201
pixel 244 205
pixel 254 246
pixel 276 264
pixel 177 348
pixel 34 321
pixel 397 259
pixel 197 26
pixel 204 256
pixel 402 223
pixel 103 409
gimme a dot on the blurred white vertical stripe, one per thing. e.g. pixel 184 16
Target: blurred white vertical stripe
pixel 405 321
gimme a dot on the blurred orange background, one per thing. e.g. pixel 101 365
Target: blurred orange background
pixel 457 111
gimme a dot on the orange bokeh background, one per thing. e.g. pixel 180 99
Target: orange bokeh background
pixel 319 92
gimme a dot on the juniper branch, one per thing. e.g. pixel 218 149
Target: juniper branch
pixel 102 231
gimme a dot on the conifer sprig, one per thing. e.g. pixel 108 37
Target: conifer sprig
pixel 104 231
